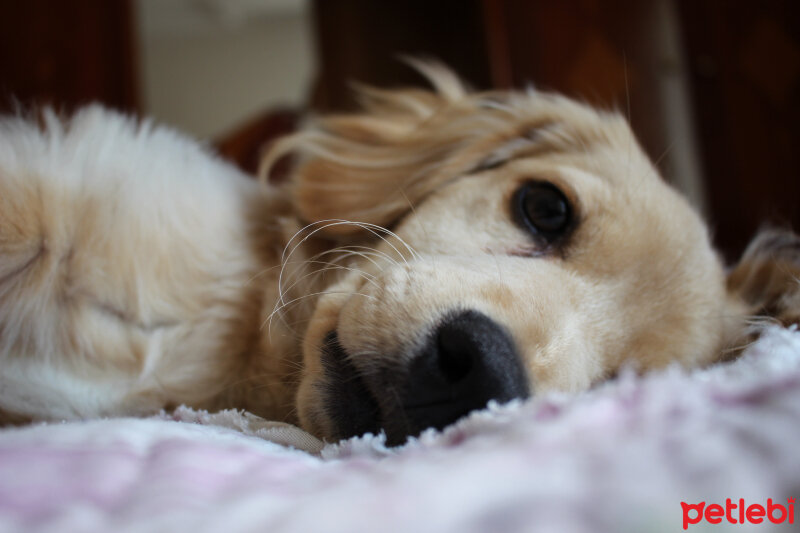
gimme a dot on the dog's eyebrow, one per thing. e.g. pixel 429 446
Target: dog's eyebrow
pixel 529 142
pixel 490 162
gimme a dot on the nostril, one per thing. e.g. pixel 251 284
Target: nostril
pixel 468 361
pixel 455 353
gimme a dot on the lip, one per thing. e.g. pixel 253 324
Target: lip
pixel 350 399
pixel 348 402
pixel 411 407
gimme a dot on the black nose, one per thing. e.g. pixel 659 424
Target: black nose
pixel 467 361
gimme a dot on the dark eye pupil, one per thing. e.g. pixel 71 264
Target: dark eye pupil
pixel 546 209
pixel 543 210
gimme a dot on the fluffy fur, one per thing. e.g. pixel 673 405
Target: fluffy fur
pixel 138 272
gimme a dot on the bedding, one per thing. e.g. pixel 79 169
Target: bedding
pixel 620 457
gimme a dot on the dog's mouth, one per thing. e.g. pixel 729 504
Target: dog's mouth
pixel 466 361
pixel 349 404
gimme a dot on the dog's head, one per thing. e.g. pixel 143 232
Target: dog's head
pixel 494 246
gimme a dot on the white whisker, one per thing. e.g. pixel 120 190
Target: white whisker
pixel 268 320
pixel 280 305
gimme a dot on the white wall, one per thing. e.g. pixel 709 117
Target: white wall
pixel 208 65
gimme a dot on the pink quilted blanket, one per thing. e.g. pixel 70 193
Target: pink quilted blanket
pixel 637 454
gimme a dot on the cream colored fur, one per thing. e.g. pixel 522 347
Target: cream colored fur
pixel 139 272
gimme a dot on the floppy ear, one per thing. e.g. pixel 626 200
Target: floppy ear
pixel 767 278
pixel 371 167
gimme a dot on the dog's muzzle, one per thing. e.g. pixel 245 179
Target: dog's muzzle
pixel 465 362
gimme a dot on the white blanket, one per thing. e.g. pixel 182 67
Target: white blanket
pixel 618 458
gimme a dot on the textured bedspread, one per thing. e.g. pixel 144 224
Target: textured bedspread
pixel 619 458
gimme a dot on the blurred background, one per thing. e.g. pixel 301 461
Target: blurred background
pixel 711 87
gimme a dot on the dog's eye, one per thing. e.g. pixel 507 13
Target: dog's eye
pixel 543 210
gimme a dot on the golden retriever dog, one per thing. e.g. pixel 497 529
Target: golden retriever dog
pixel 434 252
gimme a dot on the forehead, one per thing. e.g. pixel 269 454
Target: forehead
pixel 551 138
